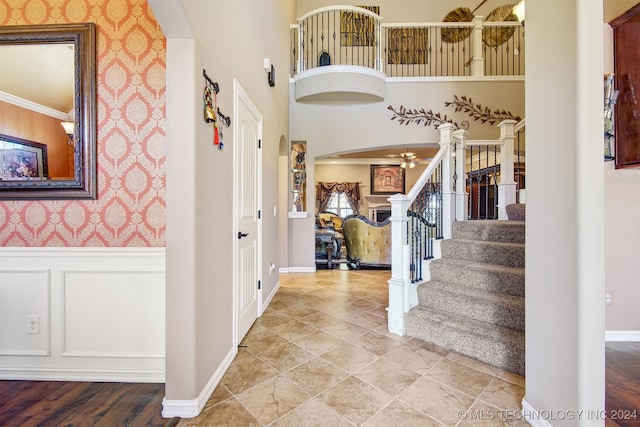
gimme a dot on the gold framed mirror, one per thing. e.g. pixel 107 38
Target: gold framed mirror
pixel 48 147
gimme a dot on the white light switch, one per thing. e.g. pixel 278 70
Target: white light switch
pixel 275 211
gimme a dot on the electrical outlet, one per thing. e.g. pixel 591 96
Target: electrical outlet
pixel 607 300
pixel 33 324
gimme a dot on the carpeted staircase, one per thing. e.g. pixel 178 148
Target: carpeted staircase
pixel 474 302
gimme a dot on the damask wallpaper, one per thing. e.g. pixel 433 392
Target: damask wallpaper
pixel 130 209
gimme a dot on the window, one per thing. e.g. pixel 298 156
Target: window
pixel 339 205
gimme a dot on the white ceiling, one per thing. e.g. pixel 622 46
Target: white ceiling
pixel 42 74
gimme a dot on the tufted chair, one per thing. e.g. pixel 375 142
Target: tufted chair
pixel 368 243
pixel 333 218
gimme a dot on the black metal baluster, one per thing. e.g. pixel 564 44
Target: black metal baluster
pixel 470 178
pixel 496 168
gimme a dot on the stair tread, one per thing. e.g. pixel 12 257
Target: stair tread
pixel 466 292
pixel 493 230
pixel 481 251
pixel 496 345
pixel 491 277
pixel 477 304
pixel 487 330
pixel 486 243
pixel 474 265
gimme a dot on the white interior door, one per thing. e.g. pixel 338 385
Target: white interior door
pixel 248 131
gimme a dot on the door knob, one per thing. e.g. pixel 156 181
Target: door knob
pixel 241 234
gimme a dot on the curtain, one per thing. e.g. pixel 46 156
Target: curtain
pixel 326 189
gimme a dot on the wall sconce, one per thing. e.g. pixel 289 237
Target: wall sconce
pixel 518 10
pixel 271 72
pixel 69 129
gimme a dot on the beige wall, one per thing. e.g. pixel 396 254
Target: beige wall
pixel 622 222
pixel 228 40
pixel 360 173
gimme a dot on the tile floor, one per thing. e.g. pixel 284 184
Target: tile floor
pixel 321 355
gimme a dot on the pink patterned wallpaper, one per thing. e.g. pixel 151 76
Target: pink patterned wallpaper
pixel 130 209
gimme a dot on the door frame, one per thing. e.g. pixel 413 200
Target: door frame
pixel 240 95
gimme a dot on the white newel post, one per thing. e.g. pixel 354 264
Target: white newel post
pixel 477 61
pixel 399 282
pixel 462 197
pixel 507 186
pixel 448 199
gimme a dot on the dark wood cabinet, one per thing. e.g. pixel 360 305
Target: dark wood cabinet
pixel 626 35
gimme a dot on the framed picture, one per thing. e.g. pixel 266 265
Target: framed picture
pixel 22 159
pixel 387 179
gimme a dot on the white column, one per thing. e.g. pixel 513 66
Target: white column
pixel 448 198
pixel 301 47
pixel 462 197
pixel 379 61
pixel 399 282
pixel 507 186
pixel 477 64
pixel 565 262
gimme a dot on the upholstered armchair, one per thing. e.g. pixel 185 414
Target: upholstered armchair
pixel 332 218
pixel 368 243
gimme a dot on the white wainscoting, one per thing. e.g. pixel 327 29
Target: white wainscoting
pixel 99 314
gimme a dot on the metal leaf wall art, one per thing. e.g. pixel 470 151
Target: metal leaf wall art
pixel 479 113
pixel 426 118
pixel 404 115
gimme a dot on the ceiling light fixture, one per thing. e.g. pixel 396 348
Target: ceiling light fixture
pixel 408 160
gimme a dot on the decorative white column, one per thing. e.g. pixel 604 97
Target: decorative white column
pixel 379 62
pixel 507 186
pixel 462 197
pixel 399 300
pixel 477 62
pixel 301 66
pixel 448 198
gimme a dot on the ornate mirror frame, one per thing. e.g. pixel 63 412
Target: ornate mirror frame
pixel 83 185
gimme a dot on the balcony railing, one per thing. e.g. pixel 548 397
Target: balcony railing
pixel 347 35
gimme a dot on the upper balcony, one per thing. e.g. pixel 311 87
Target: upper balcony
pixel 346 53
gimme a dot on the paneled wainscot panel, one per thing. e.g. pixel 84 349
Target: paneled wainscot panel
pixel 91 300
pixel 24 312
pixel 100 314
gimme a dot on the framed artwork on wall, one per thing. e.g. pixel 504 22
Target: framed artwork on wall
pixel 387 179
pixel 22 159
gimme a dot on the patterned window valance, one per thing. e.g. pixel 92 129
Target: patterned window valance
pixel 326 189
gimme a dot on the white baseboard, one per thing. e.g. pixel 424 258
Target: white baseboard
pixel 302 269
pixel 266 303
pixel 91 375
pixel 532 416
pixel 633 336
pixel 283 270
pixel 192 408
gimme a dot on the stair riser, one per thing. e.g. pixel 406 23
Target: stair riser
pixel 484 252
pixel 504 354
pixel 473 308
pixel 492 281
pixel 495 231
